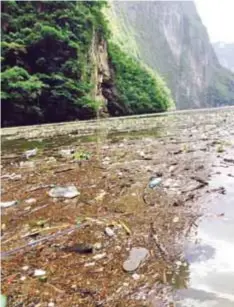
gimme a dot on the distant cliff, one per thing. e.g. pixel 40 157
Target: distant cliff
pixel 170 38
pixel 225 54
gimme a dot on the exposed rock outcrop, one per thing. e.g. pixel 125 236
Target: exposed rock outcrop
pixel 170 38
pixel 100 73
pixel 225 54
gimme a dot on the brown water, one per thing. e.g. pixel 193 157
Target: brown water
pixel 186 226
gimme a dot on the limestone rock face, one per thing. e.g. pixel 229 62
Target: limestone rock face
pixel 169 37
pixel 225 54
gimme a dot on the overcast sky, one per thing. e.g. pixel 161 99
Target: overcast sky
pixel 218 17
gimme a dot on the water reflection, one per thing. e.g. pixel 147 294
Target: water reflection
pixel 198 253
pixel 211 254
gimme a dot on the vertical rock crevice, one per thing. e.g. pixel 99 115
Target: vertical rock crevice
pixel 101 73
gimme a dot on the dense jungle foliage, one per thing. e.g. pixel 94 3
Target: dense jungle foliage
pixel 47 66
pixel 138 89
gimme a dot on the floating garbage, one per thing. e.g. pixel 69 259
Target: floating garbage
pixel 220 148
pixel 136 257
pixel 176 219
pixel 7 204
pixel 109 232
pixel 66 152
pixel 27 164
pixel 99 256
pixel 229 160
pixel 136 276
pixel 3 300
pixel 155 181
pixel 128 231
pixel 79 156
pixel 23 278
pixel 30 201
pixel 30 153
pixel 89 264
pixel 12 176
pixel 39 273
pixel 66 192
pixel 97 246
pixel 81 248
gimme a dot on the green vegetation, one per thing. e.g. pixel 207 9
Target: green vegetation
pixel 138 90
pixel 221 89
pixel 46 60
pixel 186 61
pixel 47 64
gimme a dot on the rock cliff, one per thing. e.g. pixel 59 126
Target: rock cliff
pixel 169 37
pixel 225 54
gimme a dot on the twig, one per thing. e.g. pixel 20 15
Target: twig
pixel 38 208
pixel 42 186
pixel 144 195
pixel 55 288
pixel 63 170
pixel 199 186
pixel 10 239
pixel 154 238
pixel 10 157
pixel 200 180
pixel 34 243
pixel 191 224
pixel 44 229
pixel 86 292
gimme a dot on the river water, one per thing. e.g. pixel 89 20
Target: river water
pixel 191 152
pixel 210 252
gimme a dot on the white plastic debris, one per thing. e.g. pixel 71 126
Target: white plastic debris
pixel 100 196
pixel 109 232
pixel 66 152
pixel 27 164
pixel 16 177
pixel 136 257
pixel 154 182
pixel 141 153
pixel 89 264
pixel 136 276
pixel 51 160
pixel 30 153
pixel 176 219
pixel 6 204
pixel 178 263
pixel 97 246
pixel 11 176
pixel 30 201
pixel 22 278
pixel 25 268
pixel 99 256
pixel 39 272
pixel 67 192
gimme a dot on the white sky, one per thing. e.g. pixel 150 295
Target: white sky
pixel 218 17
